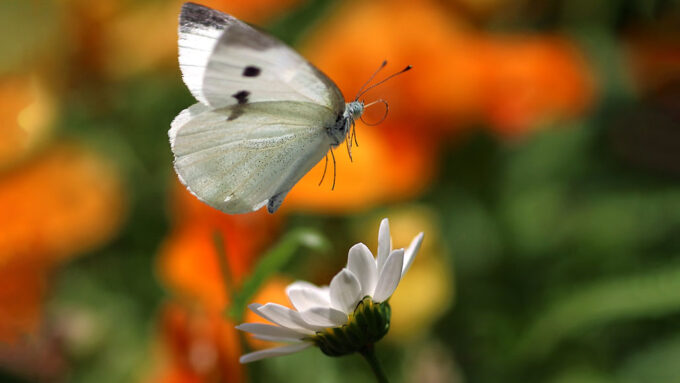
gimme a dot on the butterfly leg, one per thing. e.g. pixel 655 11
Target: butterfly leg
pixel 325 167
pixel 349 148
pixel 334 169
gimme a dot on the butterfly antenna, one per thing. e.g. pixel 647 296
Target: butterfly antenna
pixel 408 68
pixel 325 167
pixel 387 109
pixel 334 169
pixel 370 79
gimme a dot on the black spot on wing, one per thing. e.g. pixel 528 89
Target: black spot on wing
pixel 195 16
pixel 241 96
pixel 251 71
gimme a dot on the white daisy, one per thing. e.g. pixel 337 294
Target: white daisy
pixel 348 316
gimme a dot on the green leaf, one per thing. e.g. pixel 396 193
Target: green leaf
pixel 655 363
pixel 581 375
pixel 273 261
pixel 640 296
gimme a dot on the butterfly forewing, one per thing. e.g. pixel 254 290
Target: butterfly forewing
pixel 244 64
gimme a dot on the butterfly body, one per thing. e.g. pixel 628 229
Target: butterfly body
pixel 265 115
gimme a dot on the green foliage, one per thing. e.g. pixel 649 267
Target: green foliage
pixel 584 260
pixel 273 261
pixel 600 303
pixel 653 363
pixel 106 331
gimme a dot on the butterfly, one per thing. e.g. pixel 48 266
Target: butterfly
pixel 265 116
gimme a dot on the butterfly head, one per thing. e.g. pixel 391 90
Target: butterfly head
pixel 354 109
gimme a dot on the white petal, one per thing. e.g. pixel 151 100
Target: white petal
pixel 278 339
pixel 345 291
pixel 411 252
pixel 285 317
pixel 384 243
pixel 254 306
pixel 322 290
pixel 304 295
pixel 361 262
pixel 276 351
pixel 324 317
pixel 389 276
pixel 281 334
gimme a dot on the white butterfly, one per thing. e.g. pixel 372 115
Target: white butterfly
pixel 265 115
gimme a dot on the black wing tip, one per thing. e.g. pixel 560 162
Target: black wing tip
pixel 191 11
pixel 193 8
pixel 192 15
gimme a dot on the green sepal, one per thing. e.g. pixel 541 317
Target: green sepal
pixel 368 323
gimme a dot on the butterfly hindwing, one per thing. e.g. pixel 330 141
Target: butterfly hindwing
pixel 239 165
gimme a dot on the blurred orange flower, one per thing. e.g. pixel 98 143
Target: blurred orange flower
pixel 390 164
pixel 201 346
pixel 24 282
pixel 460 75
pixel 61 203
pixel 188 260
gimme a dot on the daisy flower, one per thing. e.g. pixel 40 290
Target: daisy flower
pixel 348 316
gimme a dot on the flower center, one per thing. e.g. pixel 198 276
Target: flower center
pixel 368 323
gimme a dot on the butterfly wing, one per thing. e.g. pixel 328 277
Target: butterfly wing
pixel 263 117
pixel 238 165
pixel 225 61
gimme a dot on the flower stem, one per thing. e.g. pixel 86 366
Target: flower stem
pixel 369 354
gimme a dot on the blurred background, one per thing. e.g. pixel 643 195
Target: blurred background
pixel 536 142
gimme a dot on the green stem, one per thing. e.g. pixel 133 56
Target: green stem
pixel 369 354
pixel 221 250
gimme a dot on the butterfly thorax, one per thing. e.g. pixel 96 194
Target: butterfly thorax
pixel 338 132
